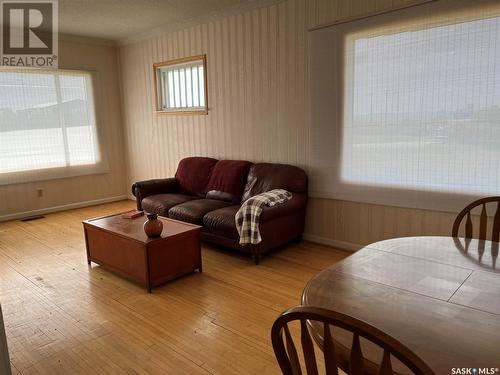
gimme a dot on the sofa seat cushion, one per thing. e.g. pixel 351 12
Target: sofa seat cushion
pixel 161 203
pixel 221 222
pixel 193 211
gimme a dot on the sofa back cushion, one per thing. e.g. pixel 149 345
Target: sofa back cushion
pixel 228 180
pixel 193 174
pixel 263 177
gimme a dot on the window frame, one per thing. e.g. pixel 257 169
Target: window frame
pixel 325 165
pixel 158 86
pixel 53 173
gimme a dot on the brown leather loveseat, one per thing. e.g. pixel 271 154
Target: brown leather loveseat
pixel 209 192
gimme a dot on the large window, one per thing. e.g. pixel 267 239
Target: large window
pixel 422 108
pixel 47 124
pixel 181 86
pixel 419 106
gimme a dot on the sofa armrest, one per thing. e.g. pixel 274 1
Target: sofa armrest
pixel 143 189
pixel 296 203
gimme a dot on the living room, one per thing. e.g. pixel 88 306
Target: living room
pixel 175 175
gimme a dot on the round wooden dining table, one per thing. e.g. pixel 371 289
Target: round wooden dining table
pixel 439 296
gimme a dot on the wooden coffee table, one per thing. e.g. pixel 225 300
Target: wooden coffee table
pixel 120 245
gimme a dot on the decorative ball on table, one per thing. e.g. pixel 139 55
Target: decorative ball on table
pixel 153 227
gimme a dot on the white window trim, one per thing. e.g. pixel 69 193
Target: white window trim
pixel 325 173
pixel 100 167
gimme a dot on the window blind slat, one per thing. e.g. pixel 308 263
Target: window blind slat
pixel 196 87
pixel 189 88
pixel 201 89
pixel 177 89
pixel 182 88
pixel 171 102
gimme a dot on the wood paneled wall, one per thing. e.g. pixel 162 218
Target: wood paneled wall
pixel 257 82
pixel 351 225
pixel 256 92
pixel 81 53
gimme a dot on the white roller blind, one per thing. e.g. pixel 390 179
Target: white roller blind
pixel 47 124
pixel 407 107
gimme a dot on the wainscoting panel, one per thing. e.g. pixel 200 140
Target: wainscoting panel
pixel 358 224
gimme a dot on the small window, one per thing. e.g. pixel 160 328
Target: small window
pixel 48 125
pixel 181 86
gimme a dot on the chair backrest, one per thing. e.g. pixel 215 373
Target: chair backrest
pixel 288 359
pixel 483 220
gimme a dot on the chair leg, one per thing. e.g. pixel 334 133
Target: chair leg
pixel 256 258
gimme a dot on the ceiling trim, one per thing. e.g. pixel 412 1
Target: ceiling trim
pixel 207 18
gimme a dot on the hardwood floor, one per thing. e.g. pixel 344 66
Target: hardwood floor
pixel 63 317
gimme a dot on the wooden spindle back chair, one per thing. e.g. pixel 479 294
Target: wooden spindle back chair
pixel 288 358
pixel 483 220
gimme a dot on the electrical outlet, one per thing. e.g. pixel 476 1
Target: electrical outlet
pixel 39 193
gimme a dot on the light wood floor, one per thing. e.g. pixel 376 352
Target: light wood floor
pixel 63 317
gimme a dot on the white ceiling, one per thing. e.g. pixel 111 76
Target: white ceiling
pixel 122 19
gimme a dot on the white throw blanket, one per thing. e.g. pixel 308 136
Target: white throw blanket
pixel 248 216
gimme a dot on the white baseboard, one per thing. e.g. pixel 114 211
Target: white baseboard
pixel 341 245
pixel 48 210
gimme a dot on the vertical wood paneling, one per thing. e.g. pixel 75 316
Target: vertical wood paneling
pixel 256 82
pixel 258 108
pixel 361 223
pixel 326 11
